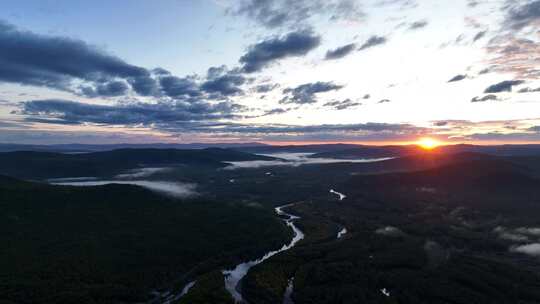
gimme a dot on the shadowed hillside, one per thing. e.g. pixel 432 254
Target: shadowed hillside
pixel 38 165
pixel 116 243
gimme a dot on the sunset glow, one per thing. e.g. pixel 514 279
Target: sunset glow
pixel 270 72
pixel 428 143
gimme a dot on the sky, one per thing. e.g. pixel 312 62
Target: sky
pixel 273 71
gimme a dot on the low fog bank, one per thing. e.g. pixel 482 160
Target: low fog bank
pixel 179 190
pixel 526 239
pixel 142 172
pixel 294 160
pixel 390 231
pixel 529 249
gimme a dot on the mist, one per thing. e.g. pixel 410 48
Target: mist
pixel 174 189
pixel 295 160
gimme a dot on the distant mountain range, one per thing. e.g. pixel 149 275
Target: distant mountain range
pixel 72 148
pixel 357 152
pixel 338 151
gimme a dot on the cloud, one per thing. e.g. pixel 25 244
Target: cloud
pixel 306 93
pixel 74 66
pixel 479 36
pixel 340 52
pixel 504 86
pixel 109 89
pixel 266 52
pixel 384 101
pixel 164 122
pixel 373 41
pixel 342 104
pixel 529 90
pixel 473 3
pixel 485 98
pixel 131 113
pixel 362 128
pixel 224 82
pixel 511 54
pixel 521 15
pixel 529 249
pixel 283 13
pixel 440 123
pixel 265 88
pixel 418 25
pixel 275 111
pixel 58 62
pixel 177 87
pixel 457 78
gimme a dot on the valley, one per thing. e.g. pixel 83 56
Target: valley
pixel 408 229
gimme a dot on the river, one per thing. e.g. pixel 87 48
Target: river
pixel 234 276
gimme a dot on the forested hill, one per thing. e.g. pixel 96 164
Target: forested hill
pixel 116 243
pixel 38 165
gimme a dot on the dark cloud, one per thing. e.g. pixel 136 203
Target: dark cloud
pixel 473 3
pixel 479 36
pixel 522 14
pixel 342 104
pixel 440 123
pixel 56 62
pixel 384 101
pixel 223 82
pixel 275 111
pixel 265 53
pixel 145 86
pixel 340 52
pixel 306 93
pixel 177 87
pixel 160 72
pixel 219 83
pixel 418 25
pixel 74 66
pixel 265 88
pixel 373 41
pixel 457 78
pixel 367 96
pixel 401 4
pixel 113 88
pixel 484 71
pixel 200 118
pixel 504 86
pixel 129 113
pixel 485 98
pixel 284 13
pixel 529 90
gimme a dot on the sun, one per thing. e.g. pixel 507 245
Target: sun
pixel 428 143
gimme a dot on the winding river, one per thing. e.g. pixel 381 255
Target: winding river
pixel 234 276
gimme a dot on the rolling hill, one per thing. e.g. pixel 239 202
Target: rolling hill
pixel 43 165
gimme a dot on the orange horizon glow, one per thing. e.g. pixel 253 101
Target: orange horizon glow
pixel 399 143
pixel 428 143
